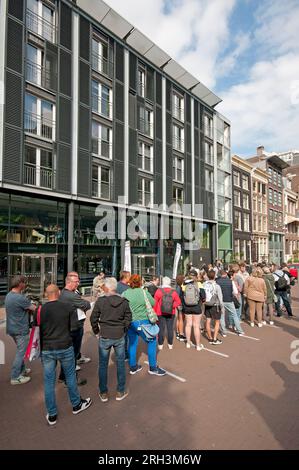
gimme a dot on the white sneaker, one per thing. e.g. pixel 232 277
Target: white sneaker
pixel 252 324
pixel 264 322
pixel 260 325
pixel 170 346
pixel 83 360
pixel 160 347
pixel 20 380
pixel 271 323
pixel 188 345
pixel 200 347
pixel 78 368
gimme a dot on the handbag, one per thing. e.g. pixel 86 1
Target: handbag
pixel 33 348
pixel 150 330
pixel 151 314
pixel 236 302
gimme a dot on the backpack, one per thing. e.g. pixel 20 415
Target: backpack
pixel 166 302
pixel 281 283
pixel 191 295
pixel 211 295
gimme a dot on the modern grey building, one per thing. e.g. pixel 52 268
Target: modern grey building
pixel 93 111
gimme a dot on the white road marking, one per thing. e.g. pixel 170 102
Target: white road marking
pixel 177 377
pixel 243 336
pixel 211 350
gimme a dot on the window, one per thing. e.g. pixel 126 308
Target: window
pixel 146 120
pixel 39 117
pixel 279 199
pixel 255 223
pixel 178 138
pixel 145 191
pixel 237 198
pixel 178 196
pixel 279 179
pixel 145 156
pixel 209 180
pixel 208 150
pixel 274 177
pixel 178 106
pixel 141 81
pixel 178 169
pixel 254 186
pixel 237 221
pixel 208 126
pixel 270 172
pixel 236 178
pixel 279 218
pixel 100 181
pixel 245 201
pixel 100 57
pixel 237 247
pixel 101 140
pixel 275 198
pixel 245 182
pixel 38 167
pixel 271 218
pixel 226 135
pixel 40 19
pixel 270 195
pixel 246 222
pixel 259 204
pixel 101 99
pixel 260 221
pixel 264 224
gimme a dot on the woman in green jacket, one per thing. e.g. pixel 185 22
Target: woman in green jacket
pixel 270 299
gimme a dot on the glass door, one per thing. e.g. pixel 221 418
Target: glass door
pixel 145 265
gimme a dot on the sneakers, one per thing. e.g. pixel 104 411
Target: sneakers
pixel 170 346
pixel 156 371
pixel 260 325
pixel 200 347
pixel 241 334
pixel 26 371
pixel 264 322
pixel 224 335
pixel 83 405
pixel 20 380
pixel 77 368
pixel 121 395
pixel 51 419
pixel 83 360
pixel 216 342
pixel 181 337
pixel 103 396
pixel 160 347
pixel 134 370
pixel 188 345
pixel 271 323
pixel 252 324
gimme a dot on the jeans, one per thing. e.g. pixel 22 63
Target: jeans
pixel 77 336
pixel 232 316
pixel 18 365
pixel 166 322
pixel 66 358
pixel 105 346
pixel 285 298
pixel 239 310
pixel 134 334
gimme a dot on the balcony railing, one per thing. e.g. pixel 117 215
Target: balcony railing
pixel 178 112
pixel 101 147
pixel 100 190
pixel 40 76
pixel 102 106
pixel 178 143
pixel 208 131
pixel 145 127
pixel 38 176
pixel 141 89
pixel 38 25
pixel 209 158
pixel 39 126
pixel 102 64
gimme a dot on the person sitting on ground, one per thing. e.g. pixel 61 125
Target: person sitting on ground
pixel 166 302
pixel 139 299
pixel 57 320
pixel 110 320
pixel 213 307
pixel 18 307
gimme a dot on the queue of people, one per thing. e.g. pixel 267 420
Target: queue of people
pixel 207 301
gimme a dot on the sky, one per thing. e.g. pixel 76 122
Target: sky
pixel 245 51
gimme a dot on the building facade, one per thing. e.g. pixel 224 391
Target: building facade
pixel 291 222
pixel 99 125
pixel 242 209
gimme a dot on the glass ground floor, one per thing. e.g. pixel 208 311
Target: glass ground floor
pixel 44 238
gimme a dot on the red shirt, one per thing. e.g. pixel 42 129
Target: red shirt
pixel 158 300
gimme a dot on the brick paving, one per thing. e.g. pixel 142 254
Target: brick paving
pixel 249 400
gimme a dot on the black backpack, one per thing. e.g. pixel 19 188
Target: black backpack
pixel 166 302
pixel 281 283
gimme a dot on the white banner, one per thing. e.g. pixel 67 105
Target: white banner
pixel 176 260
pixel 127 265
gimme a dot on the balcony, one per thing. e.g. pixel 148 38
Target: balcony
pixel 40 76
pixel 39 126
pixel 38 25
pixel 178 112
pixel 102 65
pixel 141 89
pixel 38 176
pixel 145 127
pixel 208 131
pixel 102 106
pixel 178 143
pixel 101 190
pixel 101 148
pixel 209 158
